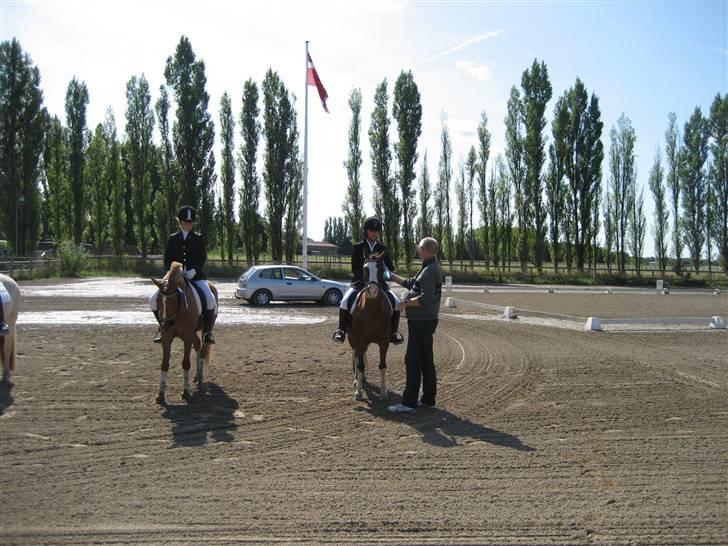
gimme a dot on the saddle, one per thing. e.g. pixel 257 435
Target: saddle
pixel 355 301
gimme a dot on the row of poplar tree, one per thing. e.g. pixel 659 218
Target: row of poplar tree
pixel 63 181
pixel 535 204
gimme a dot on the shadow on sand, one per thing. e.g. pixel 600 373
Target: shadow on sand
pixel 209 416
pixel 6 399
pixel 439 427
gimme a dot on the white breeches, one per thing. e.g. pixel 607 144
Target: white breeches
pixel 352 291
pixel 210 302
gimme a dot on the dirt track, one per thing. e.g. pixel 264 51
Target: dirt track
pixel 543 436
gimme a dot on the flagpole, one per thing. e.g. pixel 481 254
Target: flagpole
pixel 305 168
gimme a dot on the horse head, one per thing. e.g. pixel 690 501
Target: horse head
pixel 373 272
pixel 172 281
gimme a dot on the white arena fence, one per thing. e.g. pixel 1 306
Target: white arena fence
pixel 591 324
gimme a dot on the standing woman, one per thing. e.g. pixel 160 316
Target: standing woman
pixel 372 244
pixel 188 248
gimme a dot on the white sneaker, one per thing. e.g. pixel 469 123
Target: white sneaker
pixel 401 408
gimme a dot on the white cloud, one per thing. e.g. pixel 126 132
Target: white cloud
pixel 481 72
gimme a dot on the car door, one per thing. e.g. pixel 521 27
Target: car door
pixel 299 284
pixel 272 280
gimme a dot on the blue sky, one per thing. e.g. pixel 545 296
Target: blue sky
pixel 645 59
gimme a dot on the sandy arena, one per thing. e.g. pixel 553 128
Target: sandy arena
pixel 543 435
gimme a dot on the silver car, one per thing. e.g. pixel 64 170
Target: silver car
pixel 262 284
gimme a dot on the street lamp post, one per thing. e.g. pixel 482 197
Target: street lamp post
pixel 20 201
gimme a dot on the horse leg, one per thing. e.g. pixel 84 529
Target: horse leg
pixel 383 348
pixel 166 350
pixel 186 364
pixel 359 375
pixel 203 351
pixel 6 353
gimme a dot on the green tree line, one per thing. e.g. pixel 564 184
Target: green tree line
pixel 565 191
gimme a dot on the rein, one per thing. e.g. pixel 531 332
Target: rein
pixel 180 295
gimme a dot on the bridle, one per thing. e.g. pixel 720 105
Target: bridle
pixel 166 294
pixel 376 260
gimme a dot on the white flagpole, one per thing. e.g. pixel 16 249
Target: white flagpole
pixel 305 169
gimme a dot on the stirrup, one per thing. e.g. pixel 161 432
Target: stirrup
pixel 339 336
pixel 396 338
pixel 158 337
pixel 208 338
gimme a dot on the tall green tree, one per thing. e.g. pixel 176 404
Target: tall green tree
pixel 76 103
pixel 116 184
pixel 609 230
pixel 661 214
pixel 637 228
pixel 386 201
pixel 491 237
pixel 592 175
pixel 193 132
pixel 407 112
pixel 139 127
pixel 517 168
pixel 443 209
pixel 294 184
pixel 462 199
pixel 584 153
pixel 354 204
pixel 98 188
pixel 481 169
pixel 55 161
pixel 250 188
pixel 278 129
pixel 672 157
pixel 536 95
pixel 555 184
pixel 693 184
pixel 503 195
pixel 470 171
pixel 22 129
pixel 227 174
pixel 719 172
pixel 623 175
pixel 166 202
pixel 424 218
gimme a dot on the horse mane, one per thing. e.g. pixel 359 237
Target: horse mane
pixel 175 268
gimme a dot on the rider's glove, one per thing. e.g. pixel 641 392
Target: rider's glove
pixel 189 274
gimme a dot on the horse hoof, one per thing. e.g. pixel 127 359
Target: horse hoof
pixel 359 397
pixel 384 396
pixel 160 400
pixel 186 395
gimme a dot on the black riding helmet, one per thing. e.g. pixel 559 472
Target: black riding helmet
pixel 372 224
pixel 187 212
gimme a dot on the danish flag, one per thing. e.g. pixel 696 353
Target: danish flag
pixel 313 79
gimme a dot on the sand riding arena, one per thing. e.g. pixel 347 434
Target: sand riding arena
pixel 545 432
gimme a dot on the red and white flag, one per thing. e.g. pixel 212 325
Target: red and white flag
pixel 313 79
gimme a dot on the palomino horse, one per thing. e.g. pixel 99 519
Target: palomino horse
pixel 181 317
pixel 9 290
pixel 370 323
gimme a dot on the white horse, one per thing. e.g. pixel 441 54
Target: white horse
pixel 11 308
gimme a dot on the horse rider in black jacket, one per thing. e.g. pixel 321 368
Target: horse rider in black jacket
pixel 188 248
pixel 369 245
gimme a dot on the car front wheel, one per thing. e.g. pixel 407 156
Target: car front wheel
pixel 332 297
pixel 262 297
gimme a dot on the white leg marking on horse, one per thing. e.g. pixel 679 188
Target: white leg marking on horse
pixel 186 386
pixel 383 394
pixel 163 381
pixel 359 384
pixel 200 371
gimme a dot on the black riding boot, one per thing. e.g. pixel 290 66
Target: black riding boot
pixel 3 327
pixel 340 333
pixel 158 335
pixel 395 337
pixel 208 320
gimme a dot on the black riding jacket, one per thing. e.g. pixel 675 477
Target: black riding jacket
pixel 189 252
pixel 361 249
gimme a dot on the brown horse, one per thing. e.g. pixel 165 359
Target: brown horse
pixel 7 343
pixel 370 323
pixel 181 317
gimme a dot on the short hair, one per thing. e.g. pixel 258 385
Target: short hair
pixel 430 245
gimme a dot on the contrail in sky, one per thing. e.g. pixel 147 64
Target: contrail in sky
pixel 466 43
